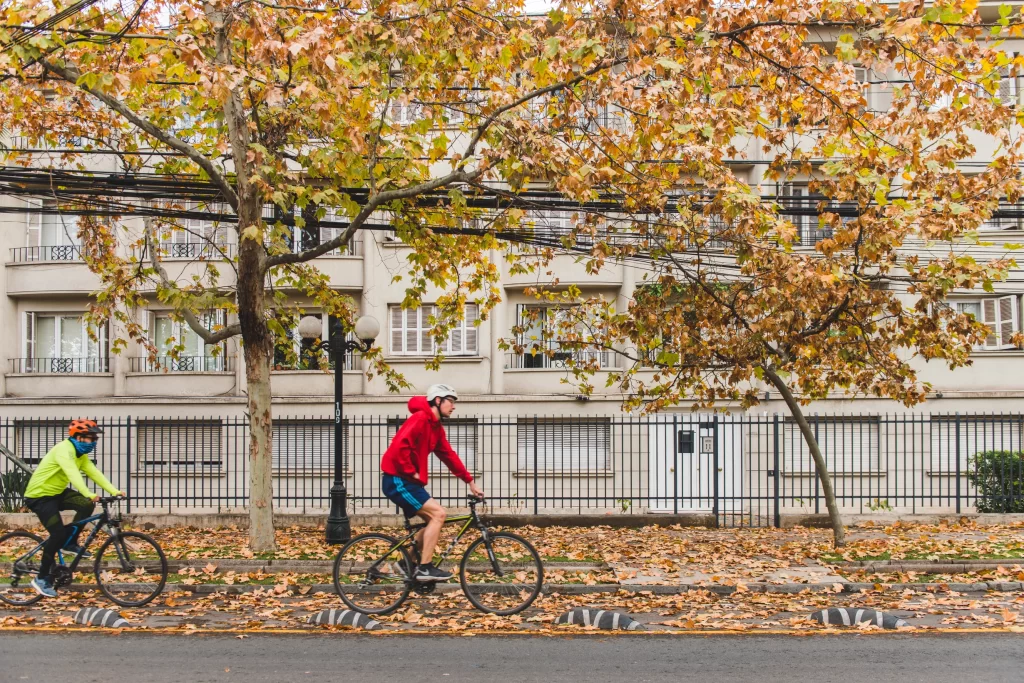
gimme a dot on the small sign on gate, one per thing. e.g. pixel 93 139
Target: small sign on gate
pixel 707 444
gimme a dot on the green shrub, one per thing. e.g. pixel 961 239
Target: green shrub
pixel 999 478
pixel 12 490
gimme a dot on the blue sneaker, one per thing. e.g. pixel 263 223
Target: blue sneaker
pixel 44 587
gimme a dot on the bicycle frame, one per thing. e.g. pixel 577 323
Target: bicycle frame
pixel 472 519
pixel 102 521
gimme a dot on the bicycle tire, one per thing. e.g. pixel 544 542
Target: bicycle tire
pixel 372 550
pixel 130 543
pixel 14 544
pixel 479 580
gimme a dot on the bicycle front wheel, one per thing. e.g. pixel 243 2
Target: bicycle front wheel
pixel 18 566
pixel 501 574
pixel 131 569
pixel 371 574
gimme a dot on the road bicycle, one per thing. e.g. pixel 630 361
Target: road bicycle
pixel 130 567
pixel 500 573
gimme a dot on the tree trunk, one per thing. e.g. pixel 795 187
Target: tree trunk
pixel 838 530
pixel 258 347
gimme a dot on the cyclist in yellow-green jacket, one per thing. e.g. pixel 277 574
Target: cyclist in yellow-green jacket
pixel 48 493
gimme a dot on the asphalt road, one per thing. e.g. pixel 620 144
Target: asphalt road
pixel 594 659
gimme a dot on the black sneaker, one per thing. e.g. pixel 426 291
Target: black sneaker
pixel 428 572
pixel 75 549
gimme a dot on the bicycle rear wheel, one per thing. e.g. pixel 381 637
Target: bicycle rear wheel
pixel 131 569
pixel 502 575
pixel 371 574
pixel 17 570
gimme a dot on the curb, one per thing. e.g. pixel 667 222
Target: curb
pixel 582 589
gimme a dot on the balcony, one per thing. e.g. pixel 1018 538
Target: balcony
pixel 182 376
pixel 197 250
pixel 62 252
pixel 59 366
pixel 560 360
pixel 182 364
pixel 49 270
pixel 49 377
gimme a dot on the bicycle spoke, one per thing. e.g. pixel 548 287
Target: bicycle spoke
pixel 371 575
pixel 17 570
pixel 504 576
pixel 131 569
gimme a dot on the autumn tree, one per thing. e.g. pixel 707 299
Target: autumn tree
pixel 826 294
pixel 359 111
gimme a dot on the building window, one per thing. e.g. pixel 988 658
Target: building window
pixel 1001 315
pixel 34 438
pixel 197 236
pixel 410 332
pixel 54 343
pixel 296 353
pixel 50 235
pixel 955 439
pixel 462 435
pixel 180 349
pixel 848 444
pixel 571 445
pixel 306 445
pixel 543 337
pixel 185 444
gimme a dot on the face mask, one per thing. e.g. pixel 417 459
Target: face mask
pixel 82 447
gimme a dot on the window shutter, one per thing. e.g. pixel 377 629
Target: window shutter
pixel 180 443
pixel 454 343
pixel 977 435
pixel 411 330
pixel 989 316
pixel 33 228
pixel 397 347
pixel 30 340
pixel 520 315
pixel 564 445
pixel 304 445
pixel 1007 320
pixel 426 342
pixel 848 445
pixel 472 314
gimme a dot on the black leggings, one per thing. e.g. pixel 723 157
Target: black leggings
pixel 48 510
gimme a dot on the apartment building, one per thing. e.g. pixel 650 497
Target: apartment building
pixel 52 368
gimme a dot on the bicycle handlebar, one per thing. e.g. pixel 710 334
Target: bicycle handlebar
pixel 474 500
pixel 106 500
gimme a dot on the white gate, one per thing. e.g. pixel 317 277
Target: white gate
pixel 681 475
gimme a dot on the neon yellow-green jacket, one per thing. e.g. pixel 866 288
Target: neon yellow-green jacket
pixel 62 465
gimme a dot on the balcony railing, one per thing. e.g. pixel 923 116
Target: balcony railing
pixel 313 362
pixel 196 250
pixel 560 360
pixel 64 252
pixel 59 366
pixel 182 364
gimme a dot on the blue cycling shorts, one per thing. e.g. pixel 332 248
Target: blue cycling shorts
pixel 406 494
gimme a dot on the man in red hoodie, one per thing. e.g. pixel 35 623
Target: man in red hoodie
pixel 404 468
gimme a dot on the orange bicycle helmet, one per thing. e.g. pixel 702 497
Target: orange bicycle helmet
pixel 84 428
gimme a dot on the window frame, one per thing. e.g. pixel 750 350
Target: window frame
pixel 468 332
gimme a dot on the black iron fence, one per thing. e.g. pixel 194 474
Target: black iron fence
pixel 182 364
pixel 745 470
pixel 60 366
pixel 62 252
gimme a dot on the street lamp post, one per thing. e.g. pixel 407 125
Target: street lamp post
pixel 339 527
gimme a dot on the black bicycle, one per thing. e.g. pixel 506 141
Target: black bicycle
pixel 500 573
pixel 130 567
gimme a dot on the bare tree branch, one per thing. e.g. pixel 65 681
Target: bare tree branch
pixel 190 318
pixel 72 75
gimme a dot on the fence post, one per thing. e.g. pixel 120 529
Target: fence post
pixel 128 463
pixel 714 465
pixel 775 471
pixel 675 465
pixel 535 479
pixel 957 463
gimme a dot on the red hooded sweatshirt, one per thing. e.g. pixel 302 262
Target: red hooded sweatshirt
pixel 421 435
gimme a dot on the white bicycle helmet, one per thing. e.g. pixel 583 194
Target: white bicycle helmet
pixel 441 391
